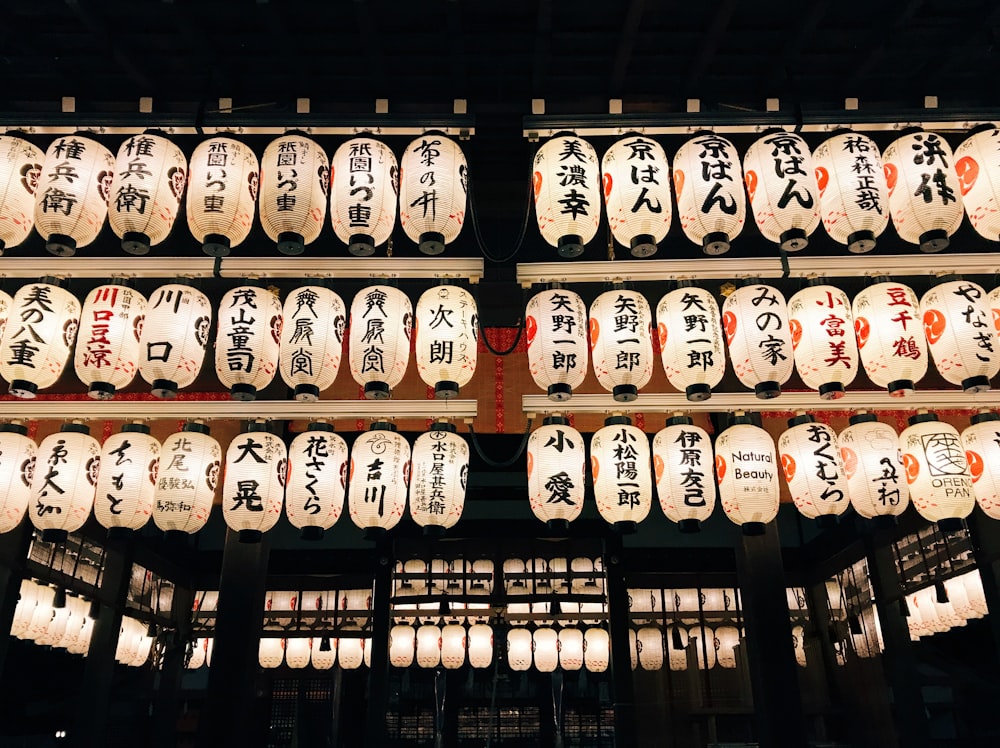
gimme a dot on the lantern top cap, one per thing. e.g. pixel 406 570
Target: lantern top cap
pixel 255 424
pixel 863 417
pixel 555 420
pixel 922 418
pixel 13 428
pixel 799 418
pixel 984 416
pixel 383 426
pixel 679 419
pixel 741 419
pixel 443 426
pixel 618 420
pixel 195 427
pixel 319 426
pixel 74 428
pixel 135 428
pixel 982 127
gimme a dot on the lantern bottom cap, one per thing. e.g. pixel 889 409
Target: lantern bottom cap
pixel 306 393
pixel 374 533
pixel 689 525
pixel 446 390
pixel 884 521
pixel 900 387
pixel 101 390
pixel 433 531
pixel 697 393
pixel 432 242
pixel 558 526
pixel 216 245
pixel 827 521
pixel 976 384
pixel 61 245
pixel 948 524
pixel 624 393
pixel 625 527
pixel 643 245
pixel 135 243
pixel 751 529
pixel 569 246
pixel 312 532
pixel 243 392
pixel 376 390
pixel 361 245
pixel 51 535
pixel 934 240
pixel 165 389
pixel 559 392
pixel 793 240
pixel 250 536
pixel 767 390
pixel 175 536
pixel 831 390
pixel 715 243
pixel 291 243
pixel 120 533
pixel 860 242
pixel 23 389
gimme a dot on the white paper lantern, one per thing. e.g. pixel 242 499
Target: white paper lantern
pixel 957 316
pixel 690 333
pixel 433 183
pixel 727 638
pixel 294 182
pixel 519 648
pixel 982 453
pixel 545 644
pixel 621 342
pixel 197 657
pixel 925 199
pixel 107 346
pixel 853 194
pixel 746 469
pixel 703 640
pixel 873 466
pixel 246 347
pixel 596 650
pixel 17 464
pixel 350 653
pixel 82 645
pixel 555 326
pixel 620 465
pixel 270 653
pixel 126 484
pixel 297 652
pixel 649 641
pixel 565 181
pixel 25 608
pixel 317 480
pixel 937 471
pixel 379 474
pixel 71 202
pixel 253 491
pixel 324 653
pixel 222 194
pixel 379 340
pixel 570 649
pixel 813 468
pixel 428 646
pixel 42 612
pixel 150 173
pixel 759 337
pixel 888 327
pixel 402 643
pixel 64 481
pixel 173 339
pixel 6 303
pixel 708 183
pixel 446 327
pixel 556 469
pixel 682 464
pixel 35 345
pixel 363 194
pixel 20 169
pixel 636 176
pixel 312 340
pixel 823 339
pixel 977 164
pixel 480 645
pixel 78 609
pixel 438 478
pixel 676 638
pixel 453 646
pixel 190 461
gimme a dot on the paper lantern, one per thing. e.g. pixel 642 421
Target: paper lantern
pixel 982 452
pixel 20 169
pixel 546 649
pixel 555 326
pixel 556 469
pixel 82 645
pixel 173 339
pixel 676 638
pixel 78 609
pixel 453 646
pixel 428 646
pixel 379 340
pixel 973 583
pixel 519 646
pixel 620 464
pixel 253 491
pixel 446 327
pixel 813 468
pixel 649 641
pixel 223 179
pixel 434 180
pixel 35 345
pixel 570 649
pixel 6 302
pixel 25 608
pixel 727 638
pixel 887 323
pixel 379 474
pixel 197 657
pixel 682 464
pixel 480 642
pixel 363 194
pixel 957 316
pixel 746 469
pixel 708 182
pixel 565 181
pixel 596 650
pixel 297 652
pixel 294 182
pixel 42 612
pixel 246 347
pixel 853 194
pixel 107 346
pixel 150 173
pixel 71 201
pixel 438 478
pixel 323 659
pixel 636 175
pixel 823 341
pixel 317 480
pixel 190 461
pixel 703 640
pixel 64 481
pixel 270 653
pixel 126 484
pixel 977 165
pixel 312 340
pixel 925 199
pixel 17 464
pixel 873 466
pixel 402 643
pixel 937 471
pixel 687 322
pixel 633 649
pixel 759 337
pixel 645 601
pixel 621 342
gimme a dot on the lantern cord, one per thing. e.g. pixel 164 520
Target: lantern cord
pixel 504 463
pixel 474 213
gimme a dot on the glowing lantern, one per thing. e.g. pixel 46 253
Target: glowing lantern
pixel 711 203
pixel 964 346
pixel 621 342
pixel 978 168
pixel 556 468
pixel 253 491
pixel 270 653
pixel 649 640
pixel 555 325
pixel 703 639
pixel 246 347
pixel 937 471
pixel 873 466
pixel 519 646
pixel 759 336
pixel 570 649
pixel 682 464
pixel 546 649
pixel 983 455
pixel 453 646
pixel 6 302
pixel 596 650
pixel 633 649
pixel 565 180
pixel 173 339
pixel 677 642
pixel 446 327
pixel 925 198
pixel 312 340
pixel 687 322
pixel 190 461
pixel 428 646
pixel 126 484
pixel 823 340
pixel 746 469
pixel 199 651
pixel 727 638
pixel 35 345
pixel 324 654
pixel 480 645
pixel 64 481
pixel 620 463
pixel 107 346
pixel 438 478
pixel 41 612
pixel 17 463
pixel 887 322
pixel 350 653
pixel 294 181
pixel 222 194
pixel 402 643
pixel 363 194
pixel 636 175
pixel 297 651
pixel 379 341
pixel 316 480
pixel 433 183
pixel 379 473
pixel 20 168
pixel 813 469
pixel 78 609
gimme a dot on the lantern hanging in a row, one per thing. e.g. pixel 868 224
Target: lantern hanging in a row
pixel 350 653
pixel 126 484
pixel 961 334
pixel 64 481
pixel 891 342
pixel 636 176
pixel 453 644
pixel 324 654
pixel 294 181
pixel 937 471
pixel 438 478
pixel 556 469
pixel 480 638
pixel 683 465
pixel 519 646
pixel 565 180
pixel 253 489
pixel 17 464
pixel 270 653
pixel 222 194
pixel 248 340
pixel 173 338
pixel 555 325
pixel 823 339
pixel 378 478
pixel 596 650
pixel 746 469
pixel 312 340
pixel 759 336
pixel 428 646
pixel 570 649
pixel 649 648
pixel 190 461
pixel 620 463
pixel 874 468
pixel 981 442
pixel 621 342
pixel 978 167
pixel 379 339
pixel 6 304
pixel 814 469
pixel 690 334
pixel 434 182
pixel 364 188
pixel 545 643
pixel 402 645
pixel 20 169
pixel 446 328
pixel 317 480
pixel 297 652
pixel 107 345
pixel 708 182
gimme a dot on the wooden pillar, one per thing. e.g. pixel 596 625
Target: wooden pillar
pixel 985 535
pixel 378 675
pixel 169 678
pixel 618 628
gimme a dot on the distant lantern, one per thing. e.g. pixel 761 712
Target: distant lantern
pixel 317 480
pixel 379 473
pixel 126 484
pixel 691 348
pixel 708 182
pixel 823 339
pixel 682 465
pixel 727 638
pixel 249 336
pixel 649 640
pixel 253 491
pixel 519 646
pixel 963 341
pixel 545 642
pixel 982 451
pixel 556 470
pixel 107 346
pixel 173 339
pixel 937 471
pixel 312 340
pixel 350 653
pixel 746 469
pixel 480 645
pixel 596 650
pixel 379 341
pixel 759 336
pixel 620 463
pixel 199 650
pixel 853 194
pixel 64 481
pixel 35 346
pixel 925 199
pixel 270 653
pixel 150 173
pixel 71 202
pixel 978 167
pixel 873 466
pixel 434 182
pixel 190 461
pixel 703 639
pixel 402 645
pixel 222 194
pixel 621 342
pixel 453 646
pixel 565 178
pixel 636 177
pixel 297 652
pixel 813 469
pixel 20 170
pixel 17 464
pixel 438 478
pixel 555 325
pixel 364 189
pixel 446 327
pixel 6 303
pixel 891 343
pixel 570 649
pixel 429 646
pixel 324 653
pixel 294 183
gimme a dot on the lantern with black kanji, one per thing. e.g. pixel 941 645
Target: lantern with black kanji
pixel 977 164
pixel 438 478
pixel 107 346
pixel 294 182
pixel 446 326
pixel 874 467
pixel 556 469
pixel 316 481
pixel 565 180
pixel 823 339
pixel 620 464
pixel 621 342
pixel 981 442
pixel 636 178
pixel 433 186
pixel 813 469
pixel 708 183
pixel 746 467
pixel 253 490
pixel 64 481
pixel 17 464
pixel 20 169
pixel 891 342
pixel 248 340
pixel 314 319
pixel 962 338
pixel 690 334
pixel 759 336
pixel 683 464
pixel 126 484
pixel 937 471
pixel 190 461
pixel 378 477
pixel 379 340
pixel 173 339
pixel 555 325
pixel 364 188
pixel 223 180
